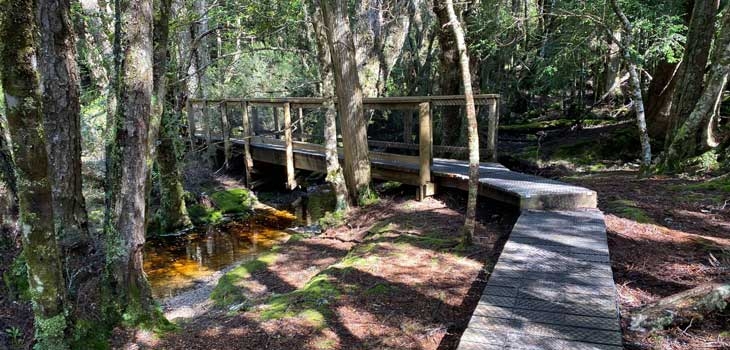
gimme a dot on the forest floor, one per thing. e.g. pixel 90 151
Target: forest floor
pixel 665 235
pixel 393 277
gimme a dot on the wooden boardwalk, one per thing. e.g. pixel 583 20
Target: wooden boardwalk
pixel 552 287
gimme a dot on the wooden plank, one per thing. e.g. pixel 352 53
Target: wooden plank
pixel 492 127
pixel 290 172
pixel 226 133
pixel 425 151
pixel 403 101
pixel 247 134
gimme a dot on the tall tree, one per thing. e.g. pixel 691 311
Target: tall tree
pixel 173 213
pixel 349 97
pixel 334 171
pixel 691 74
pixel 127 173
pixel 18 60
pixel 626 44
pixel 694 135
pixel 472 128
pixel 62 128
pixel 448 71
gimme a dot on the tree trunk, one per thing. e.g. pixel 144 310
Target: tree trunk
pixel 202 60
pixel 125 227
pixel 334 171
pixel 472 128
pixel 635 84
pixel 349 97
pixel 173 213
pixel 658 107
pixel 25 123
pixel 613 65
pixel 690 139
pixel 95 47
pixel 691 72
pixel 681 308
pixel 448 76
pixel 62 127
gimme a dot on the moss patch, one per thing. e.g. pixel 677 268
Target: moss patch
pixel 237 200
pixel 629 210
pixel 313 297
pixel 228 291
pixel 721 184
pixel 16 280
pixel 200 215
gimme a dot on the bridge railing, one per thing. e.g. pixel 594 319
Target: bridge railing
pixel 283 120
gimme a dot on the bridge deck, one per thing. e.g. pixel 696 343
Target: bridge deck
pixel 496 181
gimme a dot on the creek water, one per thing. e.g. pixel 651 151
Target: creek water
pixel 177 263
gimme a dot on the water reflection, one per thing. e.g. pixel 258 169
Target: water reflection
pixel 174 264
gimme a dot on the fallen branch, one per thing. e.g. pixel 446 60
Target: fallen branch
pixel 682 308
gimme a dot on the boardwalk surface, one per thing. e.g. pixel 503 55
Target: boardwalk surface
pixel 552 288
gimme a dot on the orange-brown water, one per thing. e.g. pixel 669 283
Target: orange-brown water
pixel 174 264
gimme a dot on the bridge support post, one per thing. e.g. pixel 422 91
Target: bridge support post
pixel 301 125
pixel 290 179
pixel 209 151
pixel 191 123
pixel 492 128
pixel 247 134
pixel 226 133
pixel 425 137
pixel 277 129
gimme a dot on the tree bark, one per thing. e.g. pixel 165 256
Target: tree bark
pixel 691 72
pixel 349 97
pixel 25 123
pixel 635 83
pixel 659 106
pixel 690 139
pixel 448 76
pixel 472 128
pixel 613 64
pixel 334 171
pixel 62 128
pixel 126 205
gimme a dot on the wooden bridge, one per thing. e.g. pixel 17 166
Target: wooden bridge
pixel 552 287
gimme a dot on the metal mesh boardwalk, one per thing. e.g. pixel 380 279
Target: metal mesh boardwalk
pixel 552 288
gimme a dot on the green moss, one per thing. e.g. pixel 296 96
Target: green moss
pixel 366 197
pixel 237 200
pixel 379 289
pixel 325 344
pixel 16 279
pixel 629 210
pixel 201 215
pixel 721 184
pixel 332 219
pixel 315 295
pixel 90 335
pixel 228 291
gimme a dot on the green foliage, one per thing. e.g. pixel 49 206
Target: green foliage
pixel 92 335
pixel 16 279
pixel 366 197
pixel 16 336
pixel 49 332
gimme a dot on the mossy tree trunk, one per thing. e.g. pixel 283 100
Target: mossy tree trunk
pixel 471 116
pixel 24 114
pixel 334 171
pixel 349 97
pixel 694 135
pixel 62 126
pixel 691 74
pixel 127 174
